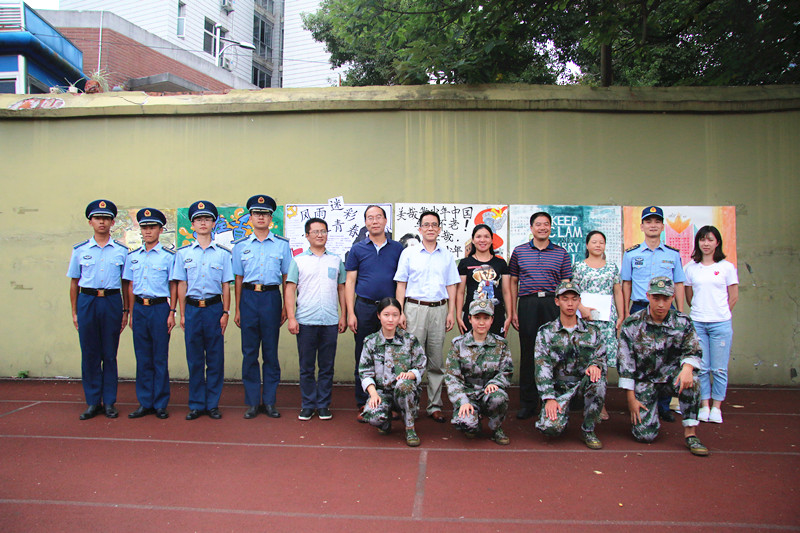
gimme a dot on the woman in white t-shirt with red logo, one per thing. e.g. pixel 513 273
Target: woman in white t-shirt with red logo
pixel 712 289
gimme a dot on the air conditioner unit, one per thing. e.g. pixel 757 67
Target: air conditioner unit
pixel 226 5
pixel 226 64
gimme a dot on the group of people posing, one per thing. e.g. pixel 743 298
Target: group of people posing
pixel 399 303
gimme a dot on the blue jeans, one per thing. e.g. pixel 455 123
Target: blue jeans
pixel 715 340
pixel 316 348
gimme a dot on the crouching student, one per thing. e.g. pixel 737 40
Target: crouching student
pixel 659 352
pixel 390 369
pixel 570 360
pixel 478 372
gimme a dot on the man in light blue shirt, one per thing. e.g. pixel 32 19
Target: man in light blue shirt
pixel 316 284
pixel 152 296
pixel 426 287
pixel 98 312
pixel 260 263
pixel 203 271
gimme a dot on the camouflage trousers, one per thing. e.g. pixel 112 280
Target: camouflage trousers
pixel 493 406
pixel 403 397
pixel 594 397
pixel 647 393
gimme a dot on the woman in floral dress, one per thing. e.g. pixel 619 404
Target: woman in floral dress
pixel 596 275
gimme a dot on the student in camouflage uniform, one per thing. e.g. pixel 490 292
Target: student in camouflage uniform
pixel 570 359
pixel 478 371
pixel 659 352
pixel 391 367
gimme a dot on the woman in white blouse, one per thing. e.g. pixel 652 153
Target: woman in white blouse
pixel 712 289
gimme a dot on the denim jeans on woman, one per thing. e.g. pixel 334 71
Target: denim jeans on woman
pixel 715 340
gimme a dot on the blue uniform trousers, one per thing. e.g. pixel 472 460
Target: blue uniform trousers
pixel 99 323
pixel 316 347
pixel 664 396
pixel 151 345
pixel 205 355
pixel 368 323
pixel 260 317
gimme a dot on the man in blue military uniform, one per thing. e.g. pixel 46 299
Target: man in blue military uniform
pixel 643 262
pixel 98 312
pixel 203 271
pixel 260 263
pixel 152 297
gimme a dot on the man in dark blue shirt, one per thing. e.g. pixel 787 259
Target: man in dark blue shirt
pixel 370 265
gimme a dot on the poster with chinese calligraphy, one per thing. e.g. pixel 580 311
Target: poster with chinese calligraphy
pixel 681 224
pixel 571 223
pixel 345 224
pixel 126 228
pixel 233 223
pixel 458 221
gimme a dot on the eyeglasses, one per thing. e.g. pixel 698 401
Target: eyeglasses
pixel 374 218
pixel 427 225
pixel 260 213
pixel 318 232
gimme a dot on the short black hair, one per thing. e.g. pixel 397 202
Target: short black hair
pixel 370 207
pixel 389 302
pixel 312 221
pixel 431 213
pixel 541 214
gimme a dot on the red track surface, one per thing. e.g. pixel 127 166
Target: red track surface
pixel 62 474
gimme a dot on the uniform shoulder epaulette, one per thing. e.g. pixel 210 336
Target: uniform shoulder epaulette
pixel 185 246
pixel 671 248
pixel 120 243
pixel 168 250
pixel 632 248
pixel 224 248
pixel 80 244
pixel 241 239
pixel 281 237
pixel 134 250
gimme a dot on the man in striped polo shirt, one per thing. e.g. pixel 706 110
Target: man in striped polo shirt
pixel 536 268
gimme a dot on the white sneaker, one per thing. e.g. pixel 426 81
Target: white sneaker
pixel 702 414
pixel 715 415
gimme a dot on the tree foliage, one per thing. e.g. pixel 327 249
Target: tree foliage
pixel 648 42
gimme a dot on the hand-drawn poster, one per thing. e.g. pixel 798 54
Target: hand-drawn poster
pixel 458 221
pixel 345 224
pixel 126 228
pixel 571 223
pixel 233 223
pixel 681 224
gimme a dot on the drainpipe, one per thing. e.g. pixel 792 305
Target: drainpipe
pixel 100 43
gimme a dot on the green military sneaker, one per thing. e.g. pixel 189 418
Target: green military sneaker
pixel 411 437
pixel 500 437
pixel 385 428
pixel 591 440
pixel 696 447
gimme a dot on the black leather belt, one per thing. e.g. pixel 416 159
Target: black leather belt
pixel 99 292
pixel 540 294
pixel 150 301
pixel 367 300
pixel 427 304
pixel 259 287
pixel 204 303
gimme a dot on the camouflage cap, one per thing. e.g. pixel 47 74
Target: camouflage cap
pixel 481 306
pixel 568 286
pixel 661 285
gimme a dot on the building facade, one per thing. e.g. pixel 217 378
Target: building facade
pixel 306 61
pixel 209 30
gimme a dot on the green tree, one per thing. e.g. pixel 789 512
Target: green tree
pixel 639 42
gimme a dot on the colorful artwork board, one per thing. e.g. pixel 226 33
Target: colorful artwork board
pixel 681 224
pixel 345 224
pixel 126 228
pixel 233 223
pixel 458 221
pixel 571 224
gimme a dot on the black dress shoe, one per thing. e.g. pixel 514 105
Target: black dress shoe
pixel 111 411
pixel 193 414
pixel 91 412
pixel 141 411
pixel 526 412
pixel 251 412
pixel 271 411
pixel 162 414
pixel 667 416
pixel 214 413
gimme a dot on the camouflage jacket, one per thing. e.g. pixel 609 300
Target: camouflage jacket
pixel 472 366
pixel 563 355
pixel 655 352
pixel 382 361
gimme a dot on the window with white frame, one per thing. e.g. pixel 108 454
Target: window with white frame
pixel 262 77
pixel 210 38
pixel 268 5
pixel 181 30
pixel 262 37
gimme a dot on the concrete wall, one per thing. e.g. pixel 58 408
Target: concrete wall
pixel 514 144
